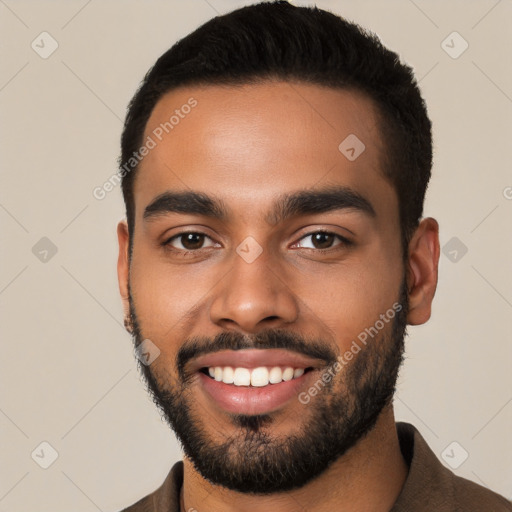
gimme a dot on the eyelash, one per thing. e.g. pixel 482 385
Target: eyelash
pixel 344 242
pixel 184 252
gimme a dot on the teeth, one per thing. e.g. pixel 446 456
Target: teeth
pixel 288 374
pixel 276 375
pixel 257 377
pixel 242 377
pixel 228 375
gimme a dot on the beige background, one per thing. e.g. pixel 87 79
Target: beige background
pixel 68 375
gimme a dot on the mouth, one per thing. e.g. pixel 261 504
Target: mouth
pixel 256 377
pixel 253 381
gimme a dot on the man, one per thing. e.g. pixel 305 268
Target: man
pixel 274 167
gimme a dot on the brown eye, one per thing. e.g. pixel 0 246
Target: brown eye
pixel 322 240
pixel 192 241
pixel 189 241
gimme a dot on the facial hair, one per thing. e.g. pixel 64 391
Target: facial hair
pixel 254 461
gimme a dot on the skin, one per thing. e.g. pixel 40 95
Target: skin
pixel 246 146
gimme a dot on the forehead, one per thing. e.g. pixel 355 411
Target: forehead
pixel 247 144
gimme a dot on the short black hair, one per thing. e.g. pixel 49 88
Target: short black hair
pixel 276 40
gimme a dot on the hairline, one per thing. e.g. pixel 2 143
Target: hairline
pixel 227 83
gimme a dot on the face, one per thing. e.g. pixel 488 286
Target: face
pixel 267 270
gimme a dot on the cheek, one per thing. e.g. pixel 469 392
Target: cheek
pixel 361 296
pixel 166 296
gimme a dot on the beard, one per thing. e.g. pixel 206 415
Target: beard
pixel 253 460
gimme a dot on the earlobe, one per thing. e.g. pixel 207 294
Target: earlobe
pixel 123 266
pixel 422 271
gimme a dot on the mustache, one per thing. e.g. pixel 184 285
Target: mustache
pixel 268 339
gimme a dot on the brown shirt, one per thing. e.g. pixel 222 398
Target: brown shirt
pixel 429 487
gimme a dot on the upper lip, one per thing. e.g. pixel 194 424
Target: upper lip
pixel 254 358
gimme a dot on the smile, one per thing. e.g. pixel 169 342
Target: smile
pixel 257 377
pixel 253 381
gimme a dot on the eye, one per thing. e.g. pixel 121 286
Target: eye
pixel 189 241
pixel 322 240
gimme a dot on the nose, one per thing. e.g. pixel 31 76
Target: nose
pixel 252 297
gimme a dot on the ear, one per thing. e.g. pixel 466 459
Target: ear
pixel 422 271
pixel 123 265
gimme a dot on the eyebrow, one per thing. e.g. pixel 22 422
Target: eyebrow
pixel 310 202
pixel 195 203
pixel 304 202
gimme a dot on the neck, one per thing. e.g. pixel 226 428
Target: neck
pixel 368 477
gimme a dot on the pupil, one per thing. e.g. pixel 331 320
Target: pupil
pixel 322 240
pixel 192 240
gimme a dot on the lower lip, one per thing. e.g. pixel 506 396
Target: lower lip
pixel 252 400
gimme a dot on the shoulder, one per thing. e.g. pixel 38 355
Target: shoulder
pixel 472 496
pixel 166 497
pixel 143 505
pixel 432 486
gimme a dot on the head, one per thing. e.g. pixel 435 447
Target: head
pixel 276 206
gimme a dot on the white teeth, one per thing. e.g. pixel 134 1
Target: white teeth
pixel 228 375
pixel 288 374
pixel 276 375
pixel 242 377
pixel 257 377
